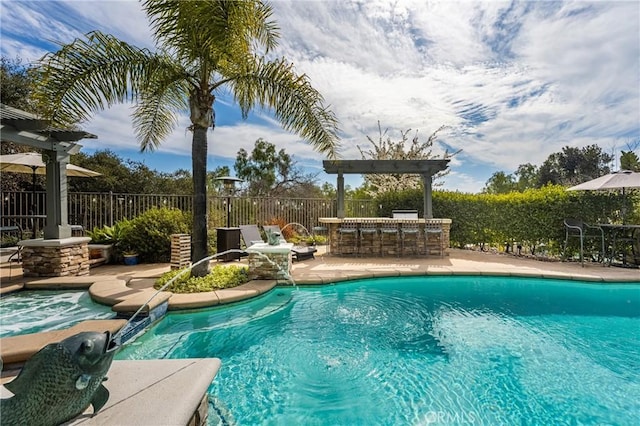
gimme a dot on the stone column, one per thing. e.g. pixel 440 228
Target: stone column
pixel 267 262
pixel 57 225
pixel 55 258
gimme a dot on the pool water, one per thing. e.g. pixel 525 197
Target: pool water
pixel 37 311
pixel 417 350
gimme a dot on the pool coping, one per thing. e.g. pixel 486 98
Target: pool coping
pixel 139 391
pixel 128 287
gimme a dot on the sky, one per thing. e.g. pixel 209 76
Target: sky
pixel 513 82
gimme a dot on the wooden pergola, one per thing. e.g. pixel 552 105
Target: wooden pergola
pixel 58 145
pixel 424 168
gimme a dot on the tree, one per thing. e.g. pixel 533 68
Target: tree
pixel 272 174
pixel 386 149
pixel 127 176
pixel 527 177
pixel 212 178
pixel 205 48
pixel 17 82
pixel 629 161
pixel 500 183
pixel 573 166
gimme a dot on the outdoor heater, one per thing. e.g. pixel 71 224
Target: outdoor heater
pixel 229 184
pixel 228 238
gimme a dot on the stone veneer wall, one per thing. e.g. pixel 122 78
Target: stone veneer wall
pixel 375 244
pixel 48 259
pixel 261 268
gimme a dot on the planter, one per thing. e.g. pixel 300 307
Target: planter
pixel 100 251
pixel 130 259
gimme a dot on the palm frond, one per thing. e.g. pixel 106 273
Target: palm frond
pixel 156 113
pixel 211 29
pixel 91 74
pixel 296 104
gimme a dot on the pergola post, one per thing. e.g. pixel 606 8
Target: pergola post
pixel 428 209
pixel 57 225
pixel 340 195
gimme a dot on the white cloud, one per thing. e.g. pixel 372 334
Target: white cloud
pixel 514 82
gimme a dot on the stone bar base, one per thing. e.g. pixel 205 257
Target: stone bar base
pixel 268 262
pixel 55 258
pixel 389 244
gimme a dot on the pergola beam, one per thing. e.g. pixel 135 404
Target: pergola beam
pixel 425 168
pixel 23 128
pixel 418 167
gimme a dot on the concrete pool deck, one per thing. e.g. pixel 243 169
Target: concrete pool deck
pixel 129 281
pixel 132 285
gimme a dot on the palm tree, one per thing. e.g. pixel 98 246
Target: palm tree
pixel 204 47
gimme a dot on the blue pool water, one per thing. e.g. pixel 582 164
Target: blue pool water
pixel 417 350
pixel 36 311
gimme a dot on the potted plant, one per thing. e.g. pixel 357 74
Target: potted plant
pixel 130 257
pixel 102 242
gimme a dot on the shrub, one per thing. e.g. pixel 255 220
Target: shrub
pixel 108 234
pixel 219 277
pixel 149 234
pixel 288 232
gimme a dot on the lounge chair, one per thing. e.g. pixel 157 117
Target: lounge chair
pixel 250 235
pixel 298 252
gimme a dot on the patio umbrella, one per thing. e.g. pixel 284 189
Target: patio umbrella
pixel 617 180
pixel 31 162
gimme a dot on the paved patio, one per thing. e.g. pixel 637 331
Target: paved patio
pixel 327 268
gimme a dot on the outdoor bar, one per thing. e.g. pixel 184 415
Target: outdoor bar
pixel 384 236
pixel 400 235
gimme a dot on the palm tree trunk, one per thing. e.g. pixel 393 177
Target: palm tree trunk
pixel 199 241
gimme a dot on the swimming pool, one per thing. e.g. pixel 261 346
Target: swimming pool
pixel 417 350
pixel 36 311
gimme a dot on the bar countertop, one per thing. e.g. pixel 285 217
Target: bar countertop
pixel 379 219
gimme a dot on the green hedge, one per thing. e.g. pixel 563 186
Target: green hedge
pixel 530 218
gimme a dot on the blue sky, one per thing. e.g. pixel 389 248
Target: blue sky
pixel 512 81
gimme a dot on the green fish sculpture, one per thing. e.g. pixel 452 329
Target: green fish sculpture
pixel 60 381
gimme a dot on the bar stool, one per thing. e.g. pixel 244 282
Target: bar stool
pixel 409 227
pixel 324 231
pixel 367 227
pixel 388 228
pixel 348 227
pixel 432 227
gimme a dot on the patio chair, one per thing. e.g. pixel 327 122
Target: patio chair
pixel 250 235
pixel 433 228
pixel 298 252
pixel 409 227
pixel 389 228
pixel 367 227
pixel 576 228
pixel 348 227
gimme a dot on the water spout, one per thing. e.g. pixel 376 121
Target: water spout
pixel 296 224
pixel 285 275
pixel 167 284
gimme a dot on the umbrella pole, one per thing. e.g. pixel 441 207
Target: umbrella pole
pixel 624 207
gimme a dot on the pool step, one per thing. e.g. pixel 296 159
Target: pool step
pixel 17 349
